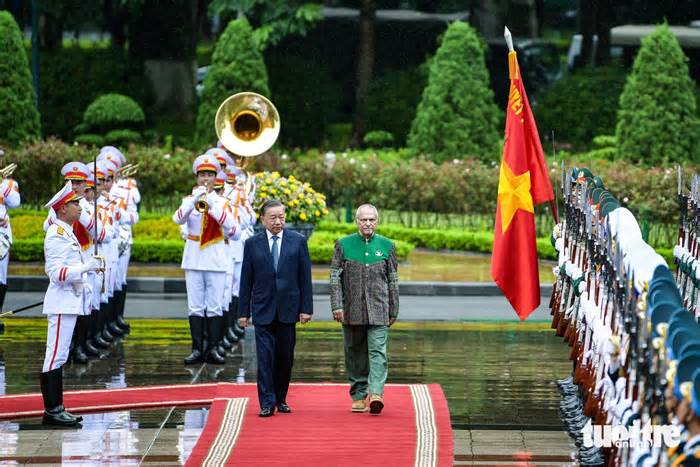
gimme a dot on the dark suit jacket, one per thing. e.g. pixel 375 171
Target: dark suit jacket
pixel 285 293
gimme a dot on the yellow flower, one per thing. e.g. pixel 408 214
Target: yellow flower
pixel 317 212
pixel 325 211
pixel 287 192
pixel 291 178
pixel 273 191
pixel 302 216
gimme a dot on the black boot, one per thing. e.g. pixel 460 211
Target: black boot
pixel 196 330
pixel 120 312
pixel 231 332
pixel 215 329
pixel 52 391
pixel 80 335
pixel 96 326
pixel 3 289
pixel 105 313
pixel 90 348
pixel 225 341
pixel 112 325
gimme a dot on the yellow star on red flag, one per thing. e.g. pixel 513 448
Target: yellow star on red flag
pixel 513 194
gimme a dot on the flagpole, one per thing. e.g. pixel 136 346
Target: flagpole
pixel 509 42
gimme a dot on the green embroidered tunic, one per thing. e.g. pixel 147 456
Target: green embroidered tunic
pixel 364 280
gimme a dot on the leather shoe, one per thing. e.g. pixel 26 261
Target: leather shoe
pixel 376 404
pixel 284 408
pixel 195 357
pixel 266 412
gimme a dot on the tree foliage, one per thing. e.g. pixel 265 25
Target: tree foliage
pixel 274 19
pixel 237 66
pixel 19 118
pixel 457 116
pixel 657 120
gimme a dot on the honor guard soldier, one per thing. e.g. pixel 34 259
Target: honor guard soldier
pixel 9 198
pixel 244 214
pixel 77 174
pixel 64 301
pixel 125 191
pixel 205 259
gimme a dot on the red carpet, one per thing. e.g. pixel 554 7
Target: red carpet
pixel 413 429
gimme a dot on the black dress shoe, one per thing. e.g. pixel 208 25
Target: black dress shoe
pixel 215 357
pixel 114 329
pixel 59 417
pixel 195 357
pixel 266 412
pixel 123 324
pixel 232 336
pixel 79 355
pixel 284 408
pixel 91 350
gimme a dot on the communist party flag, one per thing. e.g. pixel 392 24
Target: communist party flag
pixel 523 182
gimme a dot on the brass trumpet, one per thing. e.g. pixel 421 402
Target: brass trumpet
pixel 7 172
pixel 201 204
pixel 129 170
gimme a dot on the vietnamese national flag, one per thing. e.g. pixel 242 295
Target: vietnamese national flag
pixel 523 182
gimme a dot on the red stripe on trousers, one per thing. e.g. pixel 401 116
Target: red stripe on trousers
pixel 55 346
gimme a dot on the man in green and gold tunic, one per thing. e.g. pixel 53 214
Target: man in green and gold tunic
pixel 365 299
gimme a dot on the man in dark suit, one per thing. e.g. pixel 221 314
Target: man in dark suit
pixel 276 291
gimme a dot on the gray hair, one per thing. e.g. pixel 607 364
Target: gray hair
pixel 366 205
pixel 273 203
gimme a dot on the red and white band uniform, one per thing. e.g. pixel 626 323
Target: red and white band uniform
pixel 205 265
pixel 9 198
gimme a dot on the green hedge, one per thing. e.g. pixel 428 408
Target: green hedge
pixel 384 177
pixel 439 239
pixel 93 70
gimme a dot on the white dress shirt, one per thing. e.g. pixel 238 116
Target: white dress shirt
pixel 279 241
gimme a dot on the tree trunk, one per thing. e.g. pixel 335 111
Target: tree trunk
pixel 587 16
pixel 604 22
pixel 487 18
pixel 50 32
pixel 164 37
pixel 115 19
pixel 365 64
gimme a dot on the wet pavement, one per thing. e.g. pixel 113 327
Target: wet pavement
pixel 498 379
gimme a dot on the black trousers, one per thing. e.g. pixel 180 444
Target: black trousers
pixel 274 344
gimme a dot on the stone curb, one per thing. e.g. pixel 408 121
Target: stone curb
pixel 164 285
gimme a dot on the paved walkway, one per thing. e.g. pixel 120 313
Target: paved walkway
pixel 413 308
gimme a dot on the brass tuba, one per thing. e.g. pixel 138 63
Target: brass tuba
pixel 247 124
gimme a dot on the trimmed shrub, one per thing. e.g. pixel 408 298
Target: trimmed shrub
pixel 457 116
pixel 237 66
pixel 581 105
pixel 19 118
pixel 111 119
pixel 122 137
pixel 657 121
pixel 113 111
pixel 378 139
pixel 90 139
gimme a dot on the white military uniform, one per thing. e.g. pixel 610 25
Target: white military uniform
pixel 205 266
pixel 245 216
pixel 68 290
pixel 9 191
